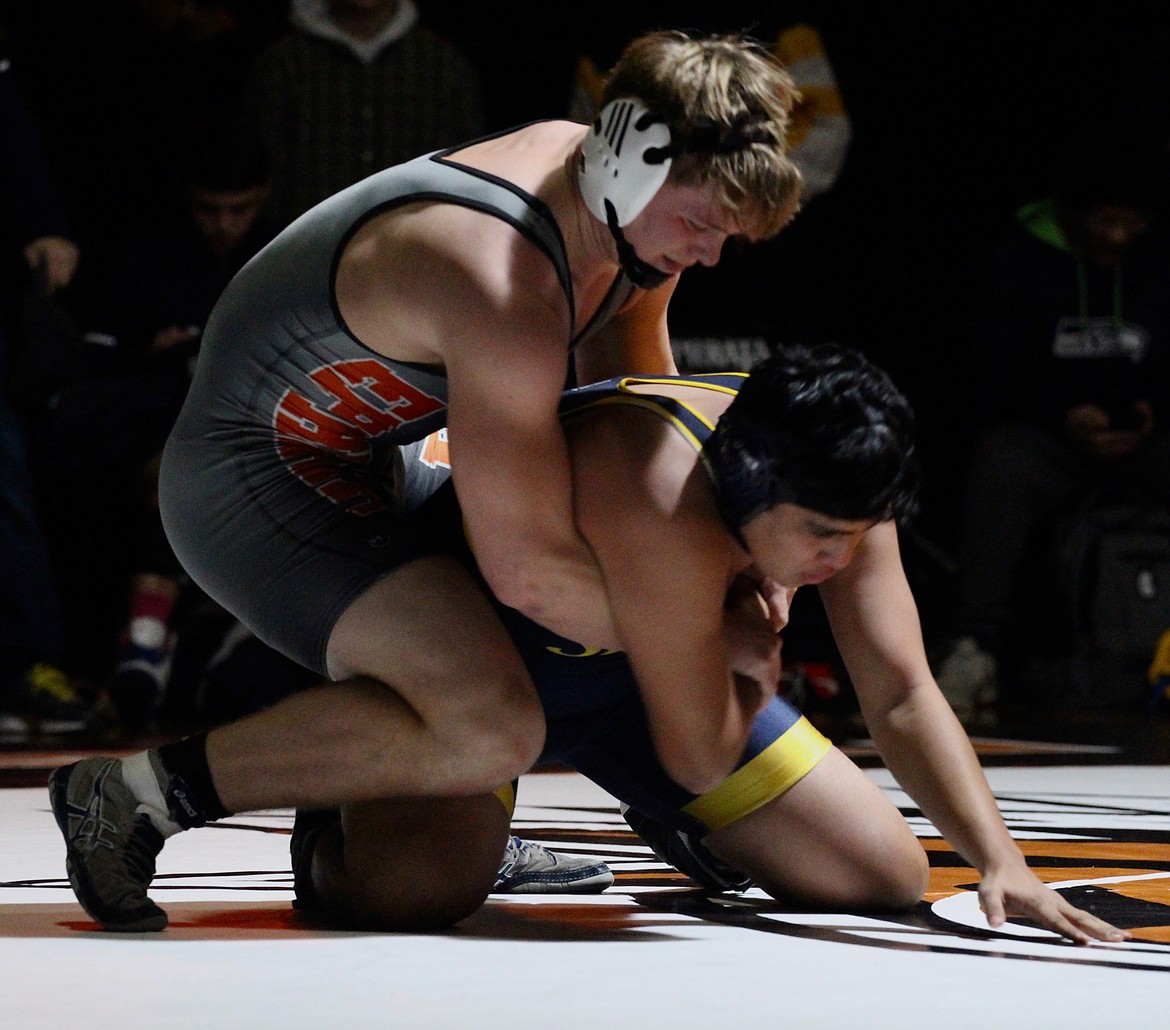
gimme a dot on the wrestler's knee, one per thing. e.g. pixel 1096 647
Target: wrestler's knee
pixel 891 878
pixel 410 865
pixel 478 742
pixel 495 742
pixel 430 906
pixel 899 881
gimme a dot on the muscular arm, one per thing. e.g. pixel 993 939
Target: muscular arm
pixel 510 464
pixel 667 563
pixel 875 622
pixel 442 285
pixel 635 341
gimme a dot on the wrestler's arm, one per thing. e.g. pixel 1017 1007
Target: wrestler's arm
pixel 634 342
pixel 447 286
pixel 510 465
pixel 645 506
pixel 875 623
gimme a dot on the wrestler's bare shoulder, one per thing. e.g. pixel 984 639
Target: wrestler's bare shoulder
pixel 708 400
pixel 532 158
pixel 527 156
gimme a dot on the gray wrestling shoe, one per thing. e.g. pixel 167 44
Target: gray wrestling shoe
pixel 527 868
pixel 685 852
pixel 112 838
pixel 967 677
pixel 531 869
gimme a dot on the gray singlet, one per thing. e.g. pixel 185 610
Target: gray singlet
pixel 281 487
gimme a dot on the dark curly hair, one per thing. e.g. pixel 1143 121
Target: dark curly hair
pixel 821 427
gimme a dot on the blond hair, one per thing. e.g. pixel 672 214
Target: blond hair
pixel 727 101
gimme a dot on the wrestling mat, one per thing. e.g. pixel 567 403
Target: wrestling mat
pixel 650 952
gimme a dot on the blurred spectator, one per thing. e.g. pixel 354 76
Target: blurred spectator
pixel 356 86
pixel 140 318
pixel 1071 359
pixel 117 86
pixel 37 259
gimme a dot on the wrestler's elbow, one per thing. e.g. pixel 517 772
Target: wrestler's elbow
pixel 516 581
pixel 544 586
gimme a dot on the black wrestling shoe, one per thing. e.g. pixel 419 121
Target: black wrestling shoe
pixel 307 827
pixel 686 853
pixel 111 845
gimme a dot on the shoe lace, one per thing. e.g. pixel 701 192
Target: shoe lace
pixel 48 679
pixel 517 853
pixel 139 847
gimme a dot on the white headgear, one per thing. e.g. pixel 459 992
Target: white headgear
pixel 625 159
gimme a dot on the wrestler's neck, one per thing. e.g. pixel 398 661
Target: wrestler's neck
pixel 592 250
pixel 542 159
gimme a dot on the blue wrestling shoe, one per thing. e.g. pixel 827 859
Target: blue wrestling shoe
pixel 531 869
pixel 139 684
pixel 686 853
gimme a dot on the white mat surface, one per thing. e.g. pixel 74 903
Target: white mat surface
pixel 641 955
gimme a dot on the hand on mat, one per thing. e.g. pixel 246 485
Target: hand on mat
pixel 1015 892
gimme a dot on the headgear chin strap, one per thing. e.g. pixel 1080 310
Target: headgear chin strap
pixel 641 273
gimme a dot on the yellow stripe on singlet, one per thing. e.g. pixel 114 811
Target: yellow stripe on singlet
pixel 772 772
pixel 507 796
pixel 652 404
pixel 661 405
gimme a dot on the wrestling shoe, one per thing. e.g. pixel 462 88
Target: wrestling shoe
pixel 967 677
pixel 531 869
pixel 139 684
pixel 686 853
pixel 112 838
pixel 307 827
pixel 44 700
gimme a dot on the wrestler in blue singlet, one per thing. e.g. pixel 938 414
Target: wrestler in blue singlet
pixel 594 714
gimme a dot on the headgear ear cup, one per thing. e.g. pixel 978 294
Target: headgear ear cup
pixel 625 159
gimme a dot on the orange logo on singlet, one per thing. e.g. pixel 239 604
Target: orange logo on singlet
pixel 329 447
pixel 435 452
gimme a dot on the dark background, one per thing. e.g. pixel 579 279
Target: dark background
pixel 956 111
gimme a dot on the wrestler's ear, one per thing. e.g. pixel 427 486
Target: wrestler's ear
pixel 625 159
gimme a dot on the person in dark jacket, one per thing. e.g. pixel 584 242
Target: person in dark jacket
pixel 1070 344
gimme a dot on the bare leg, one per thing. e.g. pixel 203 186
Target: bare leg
pixel 409 864
pixel 832 839
pixel 435 701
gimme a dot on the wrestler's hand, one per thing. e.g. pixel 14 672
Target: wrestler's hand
pixel 751 583
pixel 55 258
pixel 1015 891
pixel 753 646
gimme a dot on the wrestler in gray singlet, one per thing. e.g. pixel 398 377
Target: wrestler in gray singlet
pixel 281 487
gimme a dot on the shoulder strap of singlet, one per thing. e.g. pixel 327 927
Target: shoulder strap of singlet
pixel 694 427
pixel 525 213
pixel 619 292
pixel 535 221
